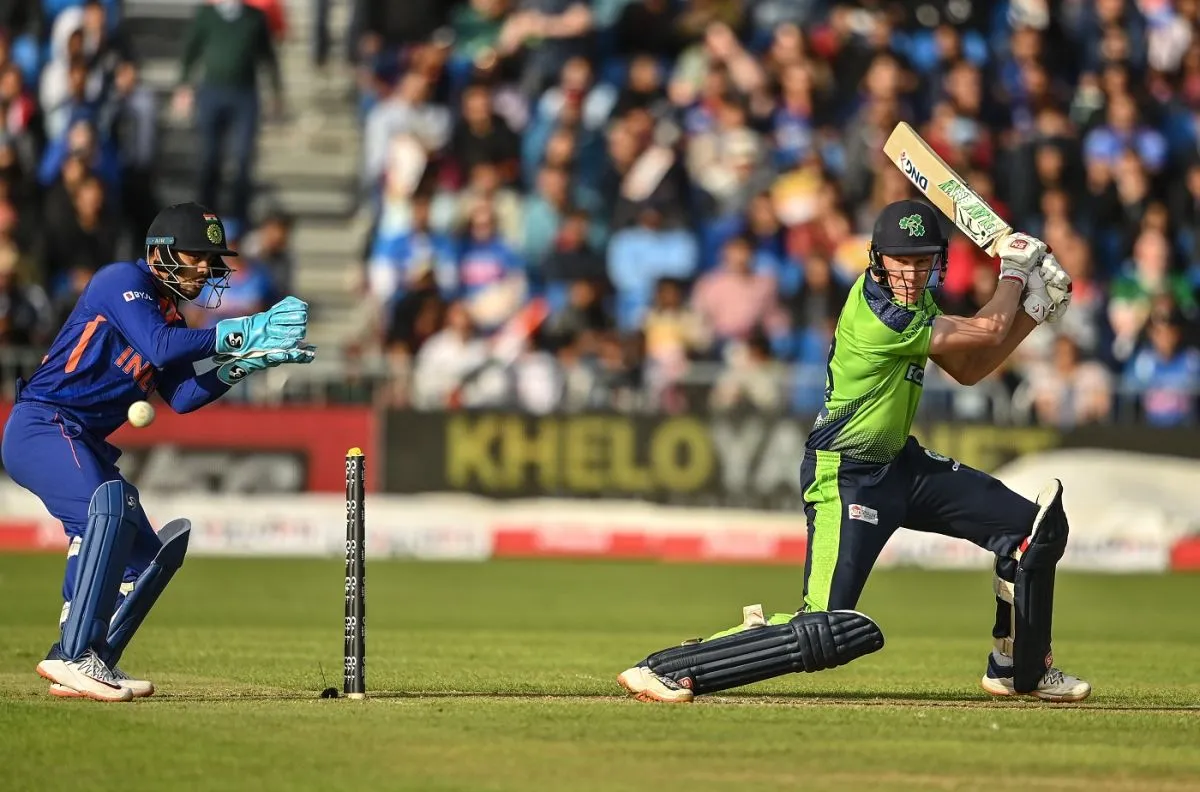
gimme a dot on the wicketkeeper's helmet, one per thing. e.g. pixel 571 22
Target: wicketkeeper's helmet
pixel 190 228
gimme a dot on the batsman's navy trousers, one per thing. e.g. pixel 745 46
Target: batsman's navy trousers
pixel 854 507
pixel 53 456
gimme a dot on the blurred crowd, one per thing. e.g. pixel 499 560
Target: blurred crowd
pixel 79 153
pixel 601 204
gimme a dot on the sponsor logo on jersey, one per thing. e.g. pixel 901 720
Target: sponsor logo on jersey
pixel 912 172
pixel 130 296
pixel 915 375
pixel 864 514
pixel 936 457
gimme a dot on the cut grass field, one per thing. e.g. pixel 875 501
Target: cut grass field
pixel 500 676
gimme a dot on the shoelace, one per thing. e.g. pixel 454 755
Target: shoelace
pixel 93 666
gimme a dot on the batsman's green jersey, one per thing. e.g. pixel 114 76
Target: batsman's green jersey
pixel 875 374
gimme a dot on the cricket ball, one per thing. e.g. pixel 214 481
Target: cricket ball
pixel 141 413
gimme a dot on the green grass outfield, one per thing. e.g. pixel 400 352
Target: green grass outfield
pixel 500 676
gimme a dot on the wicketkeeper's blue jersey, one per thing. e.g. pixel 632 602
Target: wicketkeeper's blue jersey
pixel 123 341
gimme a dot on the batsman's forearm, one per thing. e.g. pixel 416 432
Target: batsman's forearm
pixel 986 360
pixel 1002 309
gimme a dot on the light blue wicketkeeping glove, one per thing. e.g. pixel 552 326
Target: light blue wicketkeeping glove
pixel 281 326
pixel 232 369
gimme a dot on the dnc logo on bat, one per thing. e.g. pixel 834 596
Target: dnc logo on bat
pixel 912 172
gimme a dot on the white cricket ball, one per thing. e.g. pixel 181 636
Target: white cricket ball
pixel 141 413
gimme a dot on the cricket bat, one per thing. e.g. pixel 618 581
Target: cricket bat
pixel 945 189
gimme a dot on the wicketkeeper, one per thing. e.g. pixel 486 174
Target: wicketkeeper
pixel 125 340
pixel 864 476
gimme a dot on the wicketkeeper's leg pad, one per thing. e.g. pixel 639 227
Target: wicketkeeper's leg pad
pixel 809 642
pixel 148 587
pixel 112 524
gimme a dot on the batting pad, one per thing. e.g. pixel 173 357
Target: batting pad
pixel 147 589
pixel 107 543
pixel 809 642
pixel 1033 591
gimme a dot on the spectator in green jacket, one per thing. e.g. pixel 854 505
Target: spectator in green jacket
pixel 229 40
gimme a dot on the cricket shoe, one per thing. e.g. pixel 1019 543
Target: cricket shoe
pixel 139 687
pixel 645 685
pixel 87 677
pixel 1054 686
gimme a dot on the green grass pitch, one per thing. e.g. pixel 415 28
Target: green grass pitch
pixel 500 676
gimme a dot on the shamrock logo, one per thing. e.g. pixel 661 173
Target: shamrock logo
pixel 913 225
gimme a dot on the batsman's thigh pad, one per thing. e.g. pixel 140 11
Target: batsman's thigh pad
pixel 1033 591
pixel 107 542
pixel 809 642
pixel 148 587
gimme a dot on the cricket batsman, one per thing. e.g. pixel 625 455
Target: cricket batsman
pixel 864 476
pixel 124 340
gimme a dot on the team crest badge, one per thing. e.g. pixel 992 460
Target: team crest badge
pixel 913 225
pixel 214 233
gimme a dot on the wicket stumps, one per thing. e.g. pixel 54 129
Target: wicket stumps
pixel 354 679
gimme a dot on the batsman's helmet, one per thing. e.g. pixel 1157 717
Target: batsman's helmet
pixel 190 228
pixel 908 228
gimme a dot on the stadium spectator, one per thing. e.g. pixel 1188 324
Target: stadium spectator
pixel 1147 275
pixel 734 301
pixel 129 120
pixel 397 259
pixel 228 41
pixel 408 110
pixel 675 331
pixel 752 380
pixel 270 245
pixel 26 317
pixel 86 239
pixel 447 359
pixel 482 136
pixel 491 273
pixel 1164 373
pixel 1067 391
pixel 640 256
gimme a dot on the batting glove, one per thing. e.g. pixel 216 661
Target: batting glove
pixel 1037 302
pixel 1058 287
pixel 1019 254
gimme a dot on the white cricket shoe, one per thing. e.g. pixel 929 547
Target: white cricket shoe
pixel 139 687
pixel 87 677
pixel 645 685
pixel 1055 686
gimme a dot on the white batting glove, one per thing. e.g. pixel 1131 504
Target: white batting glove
pixel 1037 302
pixel 1058 286
pixel 1019 254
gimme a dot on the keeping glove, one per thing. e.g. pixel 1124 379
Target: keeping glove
pixel 232 369
pixel 281 326
pixel 1058 287
pixel 1019 254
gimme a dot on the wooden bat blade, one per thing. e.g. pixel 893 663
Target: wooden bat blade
pixel 945 189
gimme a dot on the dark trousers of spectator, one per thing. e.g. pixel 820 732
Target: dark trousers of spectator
pixel 140 204
pixel 221 110
pixel 322 41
